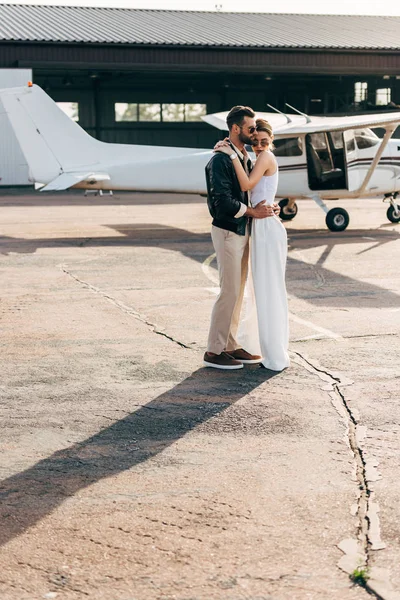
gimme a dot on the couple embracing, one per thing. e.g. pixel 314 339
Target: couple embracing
pixel 249 322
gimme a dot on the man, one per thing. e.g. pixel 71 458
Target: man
pixel 231 213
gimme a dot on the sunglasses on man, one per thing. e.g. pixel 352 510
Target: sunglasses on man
pixel 249 129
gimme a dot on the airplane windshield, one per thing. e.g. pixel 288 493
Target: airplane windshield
pixel 366 138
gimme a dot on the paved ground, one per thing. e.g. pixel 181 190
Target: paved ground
pixel 132 473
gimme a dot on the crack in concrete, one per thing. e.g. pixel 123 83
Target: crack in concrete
pixel 126 309
pixel 357 553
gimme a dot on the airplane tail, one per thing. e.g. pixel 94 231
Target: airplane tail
pixel 53 145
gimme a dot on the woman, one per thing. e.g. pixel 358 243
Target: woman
pixel 268 251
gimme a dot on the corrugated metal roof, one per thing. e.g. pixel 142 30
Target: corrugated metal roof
pixel 187 28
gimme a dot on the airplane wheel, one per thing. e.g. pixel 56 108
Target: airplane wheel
pixel 392 216
pixel 287 214
pixel 337 219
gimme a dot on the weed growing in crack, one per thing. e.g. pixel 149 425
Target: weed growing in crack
pixel 360 576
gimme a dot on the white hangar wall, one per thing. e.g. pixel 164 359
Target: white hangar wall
pixel 13 167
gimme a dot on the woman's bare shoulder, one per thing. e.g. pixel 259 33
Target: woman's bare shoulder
pixel 268 163
pixel 266 158
pixel 271 157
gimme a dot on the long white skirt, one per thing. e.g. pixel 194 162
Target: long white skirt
pixel 264 327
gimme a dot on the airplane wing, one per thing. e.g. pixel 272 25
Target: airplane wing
pixel 277 120
pixel 298 124
pixel 67 180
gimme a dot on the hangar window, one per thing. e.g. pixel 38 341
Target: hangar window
pixel 360 91
pixel 126 112
pixel 288 147
pixel 71 109
pixel 169 113
pixel 173 112
pixel 183 112
pixel 149 112
pixel 137 112
pixel 383 96
pixel 194 112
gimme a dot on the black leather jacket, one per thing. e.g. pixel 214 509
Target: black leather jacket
pixel 224 194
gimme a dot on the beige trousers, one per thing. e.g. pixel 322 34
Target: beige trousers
pixel 232 252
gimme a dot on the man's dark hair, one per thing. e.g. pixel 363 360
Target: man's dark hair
pixel 237 114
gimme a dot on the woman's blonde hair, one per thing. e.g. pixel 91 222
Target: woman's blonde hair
pixel 263 125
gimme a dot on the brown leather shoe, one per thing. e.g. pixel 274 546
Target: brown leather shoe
pixel 221 361
pixel 245 357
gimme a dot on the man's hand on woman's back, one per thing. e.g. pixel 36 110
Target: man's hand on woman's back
pixel 263 210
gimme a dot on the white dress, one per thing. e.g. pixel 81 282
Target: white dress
pixel 265 325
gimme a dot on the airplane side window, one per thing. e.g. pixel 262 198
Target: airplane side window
pixel 318 140
pixel 337 139
pixel 288 147
pixel 322 151
pixel 366 138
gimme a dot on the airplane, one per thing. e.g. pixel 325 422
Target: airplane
pixel 319 157
pixel 332 158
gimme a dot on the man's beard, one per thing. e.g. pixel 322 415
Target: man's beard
pixel 245 139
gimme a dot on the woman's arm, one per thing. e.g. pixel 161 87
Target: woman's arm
pixel 248 182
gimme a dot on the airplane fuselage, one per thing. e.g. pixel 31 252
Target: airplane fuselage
pixel 181 170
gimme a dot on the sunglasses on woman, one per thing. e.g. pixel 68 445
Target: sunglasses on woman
pixel 263 143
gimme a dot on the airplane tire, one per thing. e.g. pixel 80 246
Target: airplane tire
pixel 285 214
pixel 391 215
pixel 337 219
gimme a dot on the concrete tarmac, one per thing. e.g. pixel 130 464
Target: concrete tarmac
pixel 129 472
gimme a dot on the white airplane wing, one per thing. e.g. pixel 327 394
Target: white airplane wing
pixel 298 124
pixel 67 180
pixel 277 120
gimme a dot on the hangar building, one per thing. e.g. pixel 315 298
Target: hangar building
pixel 147 76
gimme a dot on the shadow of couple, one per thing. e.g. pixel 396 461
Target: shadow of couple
pixel 29 496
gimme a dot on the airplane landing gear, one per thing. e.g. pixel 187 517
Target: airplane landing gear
pixel 288 209
pixel 98 192
pixel 393 212
pixel 337 219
